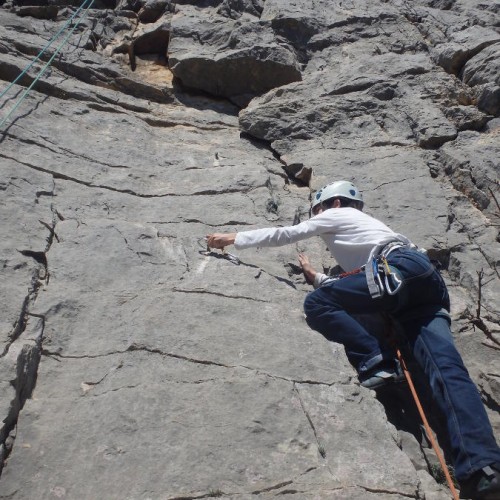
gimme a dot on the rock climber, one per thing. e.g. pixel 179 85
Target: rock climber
pixel 386 273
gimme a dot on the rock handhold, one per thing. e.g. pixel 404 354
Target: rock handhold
pixel 153 38
pixel 373 101
pixel 39 11
pixel 229 59
pixel 238 8
pixel 484 67
pixel 489 99
pixel 464 45
pixel 152 10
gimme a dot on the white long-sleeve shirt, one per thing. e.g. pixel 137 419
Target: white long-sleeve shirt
pixel 349 234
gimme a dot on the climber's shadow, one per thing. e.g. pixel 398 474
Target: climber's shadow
pixel 401 408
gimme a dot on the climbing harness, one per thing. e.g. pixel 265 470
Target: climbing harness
pixel 211 253
pixel 392 281
pixel 390 330
pixel 381 277
pixel 49 62
pixel 330 279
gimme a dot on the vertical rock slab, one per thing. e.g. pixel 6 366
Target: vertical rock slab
pixel 170 371
pixel 129 419
pixel 26 221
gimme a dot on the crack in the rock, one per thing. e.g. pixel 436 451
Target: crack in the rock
pixel 397 182
pixel 472 240
pixel 51 228
pixel 152 350
pixel 127 106
pixel 162 123
pixel 286 281
pixel 383 144
pixel 57 355
pixel 238 261
pixel 219 294
pixel 64 151
pixel 271 488
pixel 27 386
pixel 490 402
pixel 59 175
pixel 104 108
pixel 87 386
pixel 387 492
pixel 321 448
pixel 23 385
pixel 196 382
pixel 222 224
pixel 352 88
pixel 265 144
pixel 39 257
pixel 142 255
pixel 314 491
pixel 219 493
pixel 37 280
pixel 258 371
pixel 210 494
pixel 116 389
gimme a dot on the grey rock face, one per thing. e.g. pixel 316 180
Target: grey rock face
pixel 238 8
pixel 483 68
pixel 135 364
pixel 464 45
pixel 151 11
pixel 229 58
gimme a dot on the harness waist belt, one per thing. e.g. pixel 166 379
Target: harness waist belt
pixel 376 275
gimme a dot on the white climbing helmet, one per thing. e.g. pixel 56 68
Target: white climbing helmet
pixel 338 189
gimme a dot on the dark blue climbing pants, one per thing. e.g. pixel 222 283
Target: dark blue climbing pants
pixel 418 306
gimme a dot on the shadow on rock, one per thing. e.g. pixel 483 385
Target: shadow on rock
pixel 402 412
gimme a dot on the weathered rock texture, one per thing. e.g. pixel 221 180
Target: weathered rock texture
pixel 135 365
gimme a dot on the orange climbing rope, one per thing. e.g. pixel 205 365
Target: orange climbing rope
pixel 421 410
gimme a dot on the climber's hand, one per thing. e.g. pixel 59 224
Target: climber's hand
pixel 220 240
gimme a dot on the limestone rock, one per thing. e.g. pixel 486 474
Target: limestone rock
pixel 464 45
pixel 483 68
pixel 38 11
pixel 238 8
pixel 151 39
pixel 151 11
pixel 489 99
pixel 228 58
pixel 134 362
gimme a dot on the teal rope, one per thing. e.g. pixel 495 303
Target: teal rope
pixel 47 64
pixel 25 70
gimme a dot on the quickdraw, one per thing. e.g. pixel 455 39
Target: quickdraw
pixel 211 253
pixel 386 278
pixel 391 282
pixel 381 278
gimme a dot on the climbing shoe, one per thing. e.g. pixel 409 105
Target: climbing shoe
pixel 382 375
pixel 483 484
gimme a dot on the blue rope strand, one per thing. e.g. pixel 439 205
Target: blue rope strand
pixel 25 70
pixel 47 64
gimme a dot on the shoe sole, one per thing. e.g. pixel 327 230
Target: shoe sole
pixel 387 383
